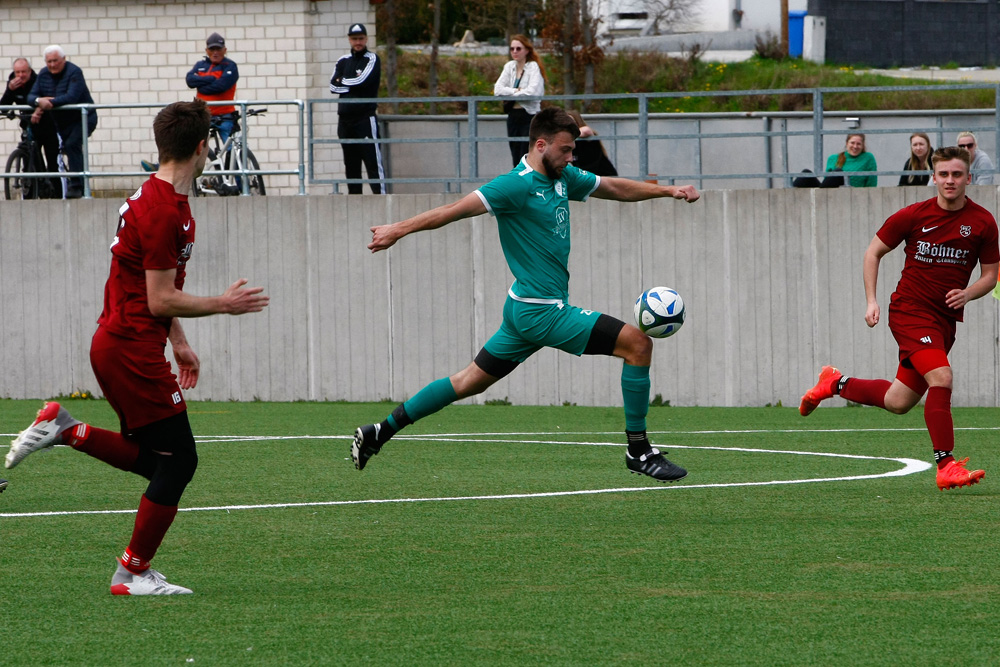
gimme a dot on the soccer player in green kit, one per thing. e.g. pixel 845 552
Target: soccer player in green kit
pixel 531 205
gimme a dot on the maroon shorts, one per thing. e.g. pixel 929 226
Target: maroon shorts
pixel 136 378
pixel 920 329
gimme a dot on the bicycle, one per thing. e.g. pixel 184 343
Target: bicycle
pixel 227 157
pixel 26 158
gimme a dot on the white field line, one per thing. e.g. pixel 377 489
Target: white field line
pixel 910 466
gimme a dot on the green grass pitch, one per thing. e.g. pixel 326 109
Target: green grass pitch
pixel 514 535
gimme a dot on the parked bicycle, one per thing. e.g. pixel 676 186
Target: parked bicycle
pixel 228 156
pixel 26 159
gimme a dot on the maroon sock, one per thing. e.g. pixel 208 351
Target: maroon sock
pixel 937 416
pixel 151 524
pixel 866 392
pixel 108 446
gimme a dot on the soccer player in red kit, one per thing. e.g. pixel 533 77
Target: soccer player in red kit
pixel 944 238
pixel 143 301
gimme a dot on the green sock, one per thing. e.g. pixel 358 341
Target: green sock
pixel 430 399
pixel 635 392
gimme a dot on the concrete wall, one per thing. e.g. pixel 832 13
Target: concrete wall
pixel 139 51
pixel 771 279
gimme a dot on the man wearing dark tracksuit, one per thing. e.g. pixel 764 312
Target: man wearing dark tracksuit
pixel 357 75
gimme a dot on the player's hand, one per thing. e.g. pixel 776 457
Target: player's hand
pixel 383 237
pixel 872 314
pixel 956 298
pixel 242 300
pixel 188 366
pixel 688 193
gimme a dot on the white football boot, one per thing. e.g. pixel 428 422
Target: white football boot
pixel 149 582
pixel 44 432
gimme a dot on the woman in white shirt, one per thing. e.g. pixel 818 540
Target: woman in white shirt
pixel 522 76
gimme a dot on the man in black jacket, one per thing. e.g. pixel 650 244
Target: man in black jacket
pixel 19 85
pixel 357 75
pixel 62 83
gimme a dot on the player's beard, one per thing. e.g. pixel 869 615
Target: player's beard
pixel 551 170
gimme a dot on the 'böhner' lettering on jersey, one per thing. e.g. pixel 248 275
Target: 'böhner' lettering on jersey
pixel 942 250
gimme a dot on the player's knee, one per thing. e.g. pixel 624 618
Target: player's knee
pixel 898 408
pixel 174 472
pixel 940 377
pixel 636 347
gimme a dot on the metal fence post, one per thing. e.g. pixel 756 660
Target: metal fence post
pixel 643 136
pixel 474 135
pixel 818 165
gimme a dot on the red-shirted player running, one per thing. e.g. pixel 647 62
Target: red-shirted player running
pixel 143 300
pixel 945 238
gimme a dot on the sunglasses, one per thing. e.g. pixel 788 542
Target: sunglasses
pixel 517 48
pixel 966 146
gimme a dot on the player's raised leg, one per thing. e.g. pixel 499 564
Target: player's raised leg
pixel 825 388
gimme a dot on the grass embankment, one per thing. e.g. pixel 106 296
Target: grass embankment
pixel 628 72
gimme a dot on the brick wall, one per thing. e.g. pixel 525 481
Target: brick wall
pixel 139 51
pixel 891 33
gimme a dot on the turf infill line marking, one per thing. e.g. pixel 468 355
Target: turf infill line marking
pixel 910 467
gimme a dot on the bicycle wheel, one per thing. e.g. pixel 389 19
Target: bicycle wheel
pixel 208 183
pixel 256 185
pixel 14 186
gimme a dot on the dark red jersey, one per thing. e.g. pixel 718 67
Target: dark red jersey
pixel 942 249
pixel 155 232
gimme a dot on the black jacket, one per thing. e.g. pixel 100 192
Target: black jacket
pixel 357 75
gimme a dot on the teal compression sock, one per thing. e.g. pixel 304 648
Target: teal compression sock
pixel 635 392
pixel 430 399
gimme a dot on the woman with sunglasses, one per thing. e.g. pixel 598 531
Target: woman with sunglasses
pixel 523 76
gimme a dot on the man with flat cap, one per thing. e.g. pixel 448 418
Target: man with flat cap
pixel 357 75
pixel 214 77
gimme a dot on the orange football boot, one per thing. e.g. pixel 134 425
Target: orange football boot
pixel 828 379
pixel 955 475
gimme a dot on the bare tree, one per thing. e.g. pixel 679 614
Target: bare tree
pixel 666 16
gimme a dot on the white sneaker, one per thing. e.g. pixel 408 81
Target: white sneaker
pixel 44 432
pixel 149 582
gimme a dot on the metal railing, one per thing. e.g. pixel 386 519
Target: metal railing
pixel 87 174
pixel 469 144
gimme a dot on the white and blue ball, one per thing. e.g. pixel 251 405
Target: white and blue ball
pixel 659 312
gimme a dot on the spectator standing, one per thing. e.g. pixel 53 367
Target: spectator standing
pixel 523 75
pixel 358 75
pixel 19 84
pixel 590 155
pixel 214 77
pixel 919 160
pixel 59 84
pixel 981 162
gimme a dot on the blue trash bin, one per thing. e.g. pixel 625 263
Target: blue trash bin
pixel 796 28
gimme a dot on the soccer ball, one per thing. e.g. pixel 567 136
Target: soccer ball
pixel 659 312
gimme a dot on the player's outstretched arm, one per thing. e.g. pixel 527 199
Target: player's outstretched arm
pixel 877 249
pixel 957 298
pixel 623 189
pixel 165 300
pixel 384 236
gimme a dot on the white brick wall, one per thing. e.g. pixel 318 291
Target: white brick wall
pixel 139 51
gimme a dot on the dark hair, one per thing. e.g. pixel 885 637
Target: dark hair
pixel 530 49
pixel 179 127
pixel 547 123
pixel 946 153
pixel 915 163
pixel 842 158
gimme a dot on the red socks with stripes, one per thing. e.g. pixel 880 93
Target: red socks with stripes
pixel 151 525
pixel 937 416
pixel 865 392
pixel 108 446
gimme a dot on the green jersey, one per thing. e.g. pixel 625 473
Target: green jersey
pixel 532 213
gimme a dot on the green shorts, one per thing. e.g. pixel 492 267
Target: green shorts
pixel 528 327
